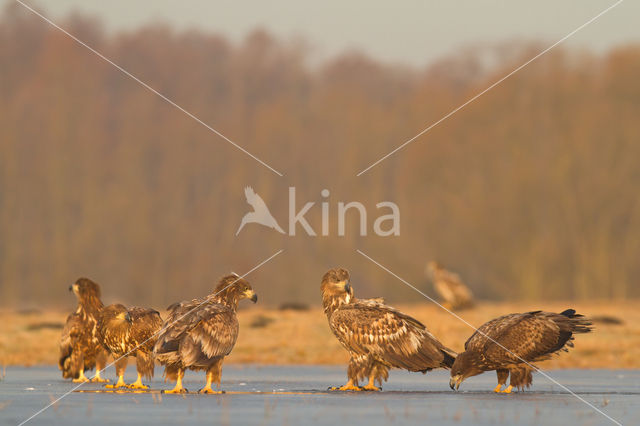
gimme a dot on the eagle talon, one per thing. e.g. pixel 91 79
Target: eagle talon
pixel 497 389
pixel 119 384
pixel 371 388
pixel 181 390
pixel 507 390
pixel 137 386
pixel 347 388
pixel 99 380
pixel 211 391
pixel 116 386
pixel 81 380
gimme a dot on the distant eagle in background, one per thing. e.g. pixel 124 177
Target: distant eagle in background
pixel 260 213
pixel 130 332
pixel 532 336
pixel 198 334
pixel 80 347
pixel 453 292
pixel 377 336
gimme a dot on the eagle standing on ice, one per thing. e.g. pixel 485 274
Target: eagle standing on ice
pixel 130 332
pixel 198 334
pixel 504 343
pixel 377 336
pixel 80 347
pixel 453 292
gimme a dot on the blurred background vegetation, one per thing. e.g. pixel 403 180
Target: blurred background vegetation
pixel 530 193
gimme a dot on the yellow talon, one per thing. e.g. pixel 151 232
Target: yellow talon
pixel 350 386
pixel 81 378
pixel 119 384
pixel 497 388
pixel 138 384
pixel 507 390
pixel 208 390
pixel 178 388
pixel 174 390
pixel 371 387
pixel 98 379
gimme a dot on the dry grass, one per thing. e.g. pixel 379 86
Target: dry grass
pixel 303 337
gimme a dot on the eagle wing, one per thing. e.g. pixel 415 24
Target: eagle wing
pixel 530 336
pixel 73 328
pixel 145 324
pixel 209 331
pixel 393 338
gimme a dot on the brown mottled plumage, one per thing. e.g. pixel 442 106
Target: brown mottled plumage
pixel 453 292
pixel 504 343
pixel 80 348
pixel 130 332
pixel 377 336
pixel 198 334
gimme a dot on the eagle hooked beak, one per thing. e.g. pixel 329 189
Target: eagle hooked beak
pixel 251 295
pixel 127 317
pixel 454 382
pixel 347 287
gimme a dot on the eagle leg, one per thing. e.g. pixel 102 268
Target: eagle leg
pixel 210 379
pixel 371 386
pixel 119 384
pixel 138 384
pixel 101 360
pixel 503 374
pixel 350 386
pixel 178 388
pixel 81 377
pixel 98 379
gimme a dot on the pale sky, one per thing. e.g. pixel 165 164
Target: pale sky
pixel 408 31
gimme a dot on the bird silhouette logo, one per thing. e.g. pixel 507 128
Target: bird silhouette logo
pixel 260 213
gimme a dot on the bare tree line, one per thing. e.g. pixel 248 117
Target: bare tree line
pixel 529 193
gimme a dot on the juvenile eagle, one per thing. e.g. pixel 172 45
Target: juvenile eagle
pixel 198 334
pixel 504 343
pixel 130 332
pixel 453 292
pixel 80 347
pixel 377 336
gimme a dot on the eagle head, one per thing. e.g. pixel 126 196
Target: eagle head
pixel 116 312
pixel 232 288
pixel 335 288
pixel 85 289
pixel 467 364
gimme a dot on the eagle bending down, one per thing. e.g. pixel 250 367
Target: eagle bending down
pixel 80 348
pixel 377 336
pixel 130 332
pixel 505 343
pixel 198 334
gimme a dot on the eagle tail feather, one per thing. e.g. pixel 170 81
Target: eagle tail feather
pixel 579 323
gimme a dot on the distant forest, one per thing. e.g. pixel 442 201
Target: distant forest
pixel 531 192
